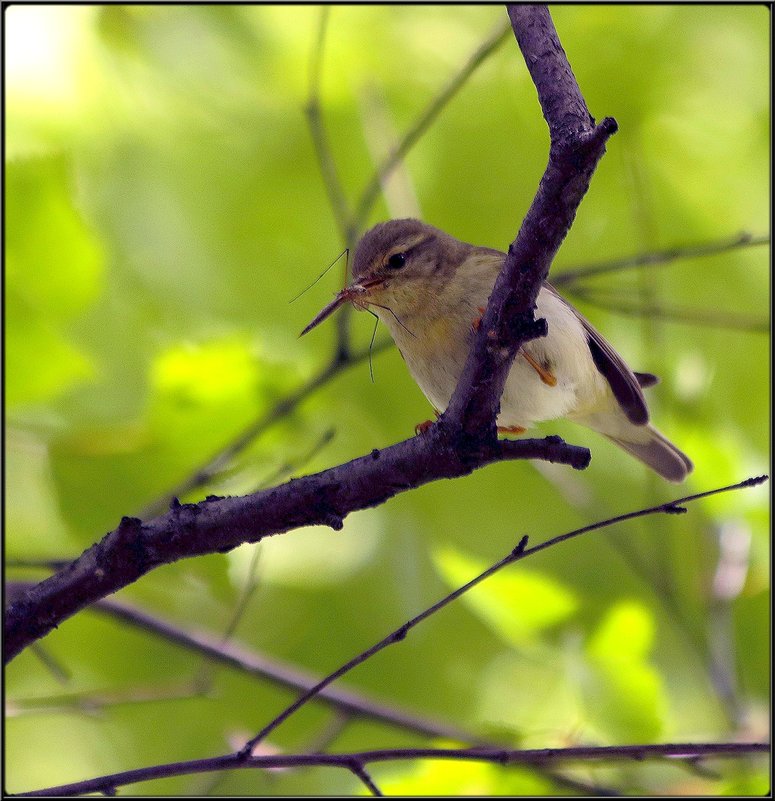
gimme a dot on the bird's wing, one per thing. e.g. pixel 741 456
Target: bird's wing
pixel 623 382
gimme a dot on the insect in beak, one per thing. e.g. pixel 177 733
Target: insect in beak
pixel 348 293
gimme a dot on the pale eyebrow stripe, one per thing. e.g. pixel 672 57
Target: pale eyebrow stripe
pixel 420 239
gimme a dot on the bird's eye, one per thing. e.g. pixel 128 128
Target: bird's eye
pixel 396 261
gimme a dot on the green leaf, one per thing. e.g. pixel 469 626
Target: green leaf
pixel 54 260
pixel 53 272
pixel 625 635
pixel 41 361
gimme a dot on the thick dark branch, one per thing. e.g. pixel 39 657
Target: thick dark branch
pixel 576 147
pixel 465 438
pixel 220 524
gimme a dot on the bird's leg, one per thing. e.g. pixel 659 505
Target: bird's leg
pixel 511 430
pixel 543 373
pixel 477 323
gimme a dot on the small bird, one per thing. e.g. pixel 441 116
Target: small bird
pixel 431 291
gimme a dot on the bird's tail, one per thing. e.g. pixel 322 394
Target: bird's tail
pixel 645 443
pixel 658 453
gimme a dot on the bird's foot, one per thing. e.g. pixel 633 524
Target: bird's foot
pixel 421 428
pixel 477 323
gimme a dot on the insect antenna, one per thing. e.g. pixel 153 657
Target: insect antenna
pixel 397 318
pixel 371 344
pixel 347 259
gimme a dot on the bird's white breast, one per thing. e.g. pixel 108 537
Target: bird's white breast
pixel 435 348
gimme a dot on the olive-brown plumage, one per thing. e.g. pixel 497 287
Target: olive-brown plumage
pixel 430 290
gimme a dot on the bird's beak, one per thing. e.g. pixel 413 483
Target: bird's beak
pixel 348 293
pixel 354 293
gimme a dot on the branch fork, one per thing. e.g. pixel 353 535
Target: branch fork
pixel 462 440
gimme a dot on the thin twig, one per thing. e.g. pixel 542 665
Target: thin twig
pixel 677 752
pixel 357 768
pixel 52 664
pixel 518 553
pixel 658 257
pixel 424 121
pixel 92 702
pixel 382 138
pixel 289 468
pixel 327 163
pixel 676 314
pixel 395 636
pixel 323 152
pixel 671 507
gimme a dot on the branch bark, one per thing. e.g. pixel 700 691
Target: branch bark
pixel 236 656
pixel 108 784
pixel 463 439
pixel 220 524
pixel 685 752
pixel 577 144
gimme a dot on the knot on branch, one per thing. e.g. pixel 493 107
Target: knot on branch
pixel 183 517
pixel 581 150
pixel 524 326
pixel 516 328
pixel 400 634
pixel 333 520
pixel 519 548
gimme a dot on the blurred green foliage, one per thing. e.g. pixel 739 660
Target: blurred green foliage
pixel 163 205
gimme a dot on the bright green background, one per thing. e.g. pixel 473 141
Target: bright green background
pixel 163 206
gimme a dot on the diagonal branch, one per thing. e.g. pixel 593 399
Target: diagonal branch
pixel 519 552
pixel 220 524
pixel 659 257
pixel 534 758
pixel 463 439
pixel 423 122
pixel 577 145
pixel 394 637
